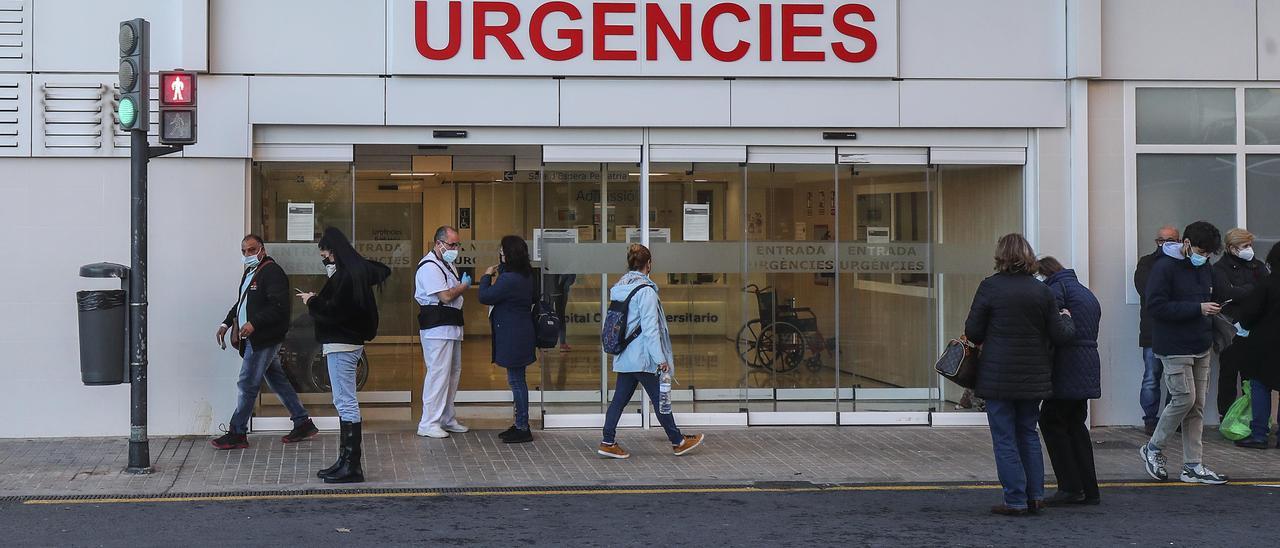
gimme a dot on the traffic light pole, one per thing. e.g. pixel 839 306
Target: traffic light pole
pixel 140 152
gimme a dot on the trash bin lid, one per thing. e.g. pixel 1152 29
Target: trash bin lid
pixel 104 270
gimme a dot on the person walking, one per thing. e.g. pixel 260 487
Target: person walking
pixel 562 284
pixel 438 290
pixel 1153 370
pixel 1179 295
pixel 1254 354
pixel 508 287
pixel 1234 276
pixel 644 357
pixel 1015 319
pixel 1076 380
pixel 346 315
pixel 258 323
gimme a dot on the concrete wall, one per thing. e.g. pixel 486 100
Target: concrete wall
pixel 61 213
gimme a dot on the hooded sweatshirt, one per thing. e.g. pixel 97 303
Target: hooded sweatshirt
pixel 653 346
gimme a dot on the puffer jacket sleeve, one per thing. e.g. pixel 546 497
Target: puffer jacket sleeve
pixel 1062 329
pixel 975 326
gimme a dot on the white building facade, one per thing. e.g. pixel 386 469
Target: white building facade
pixel 822 183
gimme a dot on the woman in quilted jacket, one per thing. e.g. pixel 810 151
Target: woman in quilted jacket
pixel 1076 380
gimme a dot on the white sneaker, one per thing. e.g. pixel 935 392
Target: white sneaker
pixel 432 432
pixel 1202 474
pixel 457 428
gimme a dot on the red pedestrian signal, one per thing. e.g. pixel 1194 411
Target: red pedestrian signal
pixel 178 107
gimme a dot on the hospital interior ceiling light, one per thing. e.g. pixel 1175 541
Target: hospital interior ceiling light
pixel 651 174
pixel 413 174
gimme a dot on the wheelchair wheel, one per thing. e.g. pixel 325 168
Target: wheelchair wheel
pixel 320 373
pixel 787 345
pixel 748 345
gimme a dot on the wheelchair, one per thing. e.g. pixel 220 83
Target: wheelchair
pixel 783 337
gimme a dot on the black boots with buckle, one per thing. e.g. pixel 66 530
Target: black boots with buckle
pixel 347 469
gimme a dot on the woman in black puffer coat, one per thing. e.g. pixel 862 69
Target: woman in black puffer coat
pixel 1234 277
pixel 1076 380
pixel 1015 319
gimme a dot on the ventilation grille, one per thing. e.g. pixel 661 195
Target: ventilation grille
pixel 13 36
pixel 9 92
pixel 73 115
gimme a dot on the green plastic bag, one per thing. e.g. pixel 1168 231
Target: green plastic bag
pixel 1235 424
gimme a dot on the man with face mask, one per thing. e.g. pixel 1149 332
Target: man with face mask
pixel 438 290
pixel 1180 299
pixel 1149 395
pixel 257 324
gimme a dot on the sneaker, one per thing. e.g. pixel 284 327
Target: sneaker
pixel 433 432
pixel 1202 474
pixel 456 428
pixel 231 441
pixel 301 432
pixel 1251 443
pixel 613 451
pixel 689 444
pixel 1154 461
pixel 520 436
pixel 507 433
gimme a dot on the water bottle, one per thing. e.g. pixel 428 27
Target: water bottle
pixel 664 393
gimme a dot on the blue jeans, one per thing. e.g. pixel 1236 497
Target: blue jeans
pixel 1019 462
pixel 342 377
pixel 1149 396
pixel 260 364
pixel 519 396
pixel 1260 405
pixel 626 388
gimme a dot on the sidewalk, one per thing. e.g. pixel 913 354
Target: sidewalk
pixel 566 458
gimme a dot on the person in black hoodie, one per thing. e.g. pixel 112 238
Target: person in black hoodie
pixel 1234 276
pixel 1253 352
pixel 346 315
pixel 1180 298
pixel 1076 380
pixel 1015 319
pixel 257 324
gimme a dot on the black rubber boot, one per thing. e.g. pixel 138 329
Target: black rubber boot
pixel 349 470
pixel 344 426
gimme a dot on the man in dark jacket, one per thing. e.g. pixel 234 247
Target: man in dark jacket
pixel 258 323
pixel 1180 299
pixel 1149 395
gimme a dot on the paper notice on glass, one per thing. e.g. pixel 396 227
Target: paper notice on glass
pixel 543 236
pixel 656 235
pixel 697 222
pixel 302 221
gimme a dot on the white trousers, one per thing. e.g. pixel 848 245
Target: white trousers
pixel 443 360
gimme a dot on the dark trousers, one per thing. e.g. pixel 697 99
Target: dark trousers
pixel 622 396
pixel 1062 424
pixel 1228 385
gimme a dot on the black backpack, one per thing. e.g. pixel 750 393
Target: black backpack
pixel 546 324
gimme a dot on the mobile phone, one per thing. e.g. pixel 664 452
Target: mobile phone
pixel 1226 302
pixel 299 290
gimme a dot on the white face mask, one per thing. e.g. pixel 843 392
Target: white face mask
pixel 1173 249
pixel 1041 277
pixel 1245 253
pixel 329 269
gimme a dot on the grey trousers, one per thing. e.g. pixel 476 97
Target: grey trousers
pixel 1187 380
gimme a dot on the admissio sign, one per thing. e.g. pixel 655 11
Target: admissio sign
pixel 823 38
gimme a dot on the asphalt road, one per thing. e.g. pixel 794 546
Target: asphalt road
pixel 1167 515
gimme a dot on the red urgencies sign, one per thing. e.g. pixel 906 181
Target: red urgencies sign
pixel 715 38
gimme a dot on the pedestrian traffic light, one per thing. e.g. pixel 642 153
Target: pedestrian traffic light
pixel 135 75
pixel 178 107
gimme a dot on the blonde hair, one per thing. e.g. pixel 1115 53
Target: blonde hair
pixel 1238 237
pixel 1014 255
pixel 638 256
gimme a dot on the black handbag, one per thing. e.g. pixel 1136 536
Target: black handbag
pixel 546 323
pixel 959 362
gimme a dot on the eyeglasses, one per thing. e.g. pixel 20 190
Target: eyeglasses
pixel 454 245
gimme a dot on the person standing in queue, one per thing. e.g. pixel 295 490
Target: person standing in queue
pixel 508 288
pixel 346 315
pixel 1077 378
pixel 1234 276
pixel 1253 353
pixel 1016 320
pixel 438 290
pixel 645 356
pixel 258 323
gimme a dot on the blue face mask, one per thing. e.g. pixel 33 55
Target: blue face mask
pixel 1198 259
pixel 1173 249
pixel 449 255
pixel 251 261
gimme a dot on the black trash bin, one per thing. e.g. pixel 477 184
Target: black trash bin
pixel 103 336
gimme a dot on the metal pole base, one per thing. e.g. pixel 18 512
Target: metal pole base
pixel 139 458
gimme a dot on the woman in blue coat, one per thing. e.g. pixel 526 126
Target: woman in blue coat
pixel 508 288
pixel 1076 380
